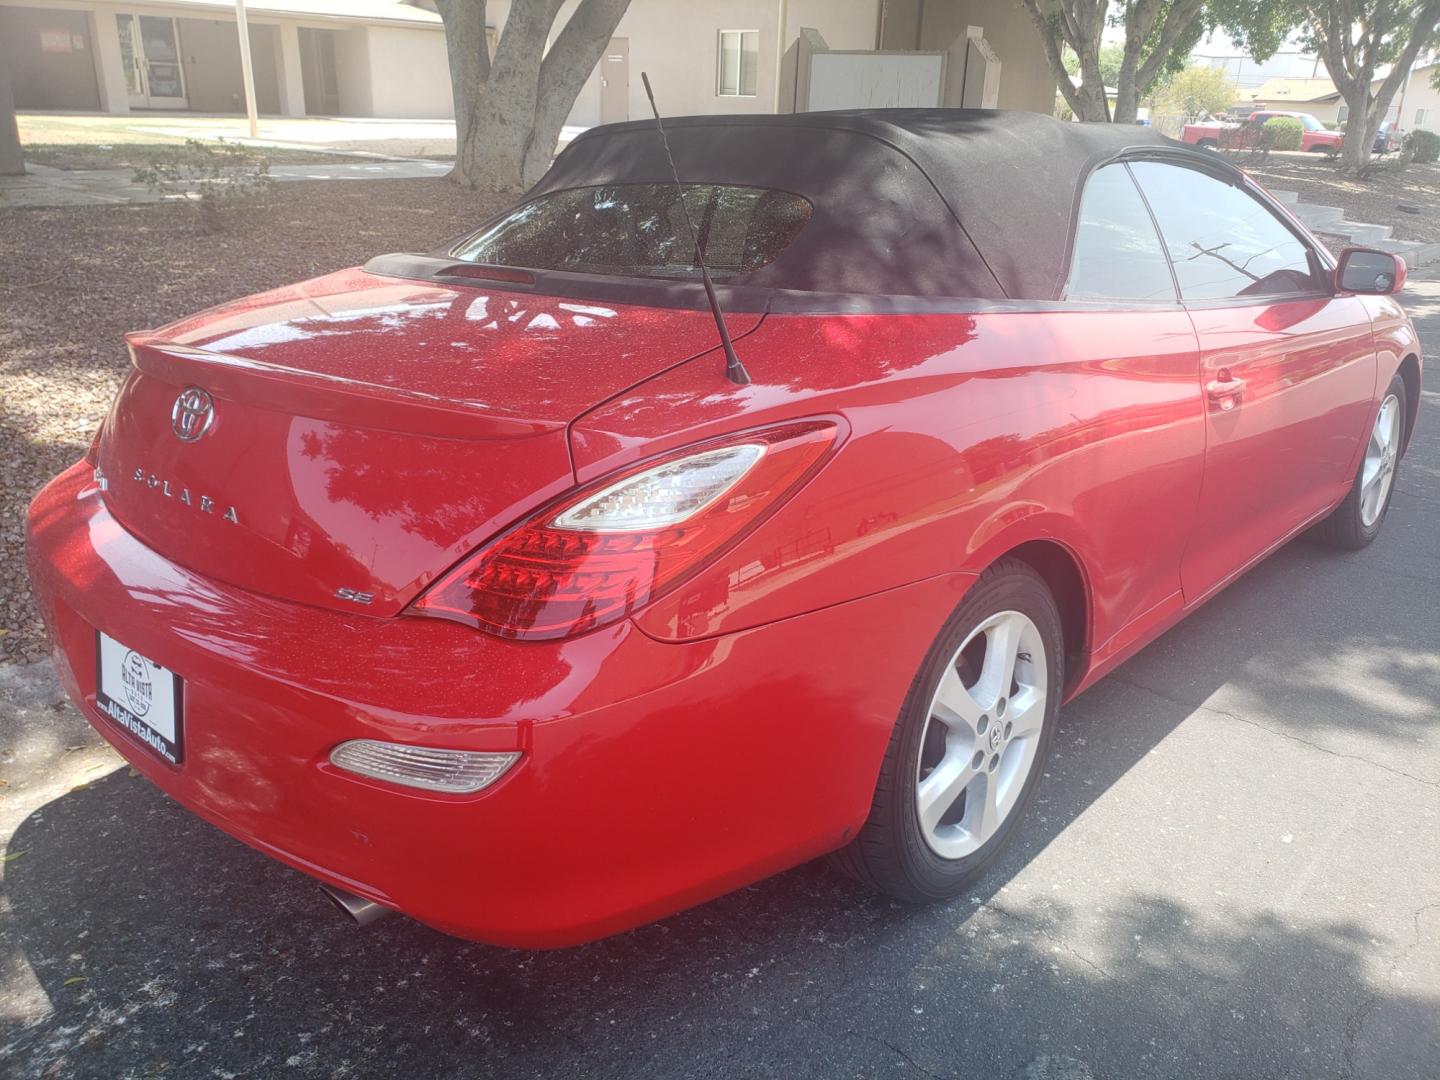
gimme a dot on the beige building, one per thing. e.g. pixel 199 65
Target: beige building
pixel 1415 105
pixel 386 58
pixel 317 57
pixel 1317 97
pixel 1420 107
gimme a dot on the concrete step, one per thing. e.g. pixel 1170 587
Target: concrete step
pixel 1330 220
pixel 1361 233
pixel 1319 218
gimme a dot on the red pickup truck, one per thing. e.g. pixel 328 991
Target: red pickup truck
pixel 1233 136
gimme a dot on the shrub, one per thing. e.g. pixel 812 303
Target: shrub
pixel 211 175
pixel 1283 133
pixel 1423 146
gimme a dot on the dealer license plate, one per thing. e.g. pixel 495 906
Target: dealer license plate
pixel 141 696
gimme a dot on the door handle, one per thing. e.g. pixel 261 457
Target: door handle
pixel 1225 390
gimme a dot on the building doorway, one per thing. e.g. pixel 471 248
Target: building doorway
pixel 317 72
pixel 615 82
pixel 150 56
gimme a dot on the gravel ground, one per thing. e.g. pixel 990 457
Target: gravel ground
pixel 1375 200
pixel 137 155
pixel 76 279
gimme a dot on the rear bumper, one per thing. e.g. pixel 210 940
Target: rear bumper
pixel 654 776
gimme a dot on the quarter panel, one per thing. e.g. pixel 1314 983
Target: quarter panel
pixel 968 435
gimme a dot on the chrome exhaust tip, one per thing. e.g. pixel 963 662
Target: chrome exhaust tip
pixel 362 911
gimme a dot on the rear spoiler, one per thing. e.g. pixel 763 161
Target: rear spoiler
pixel 326 397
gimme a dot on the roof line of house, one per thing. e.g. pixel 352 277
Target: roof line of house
pixel 257 11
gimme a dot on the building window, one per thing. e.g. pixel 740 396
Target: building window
pixel 1343 115
pixel 739 61
pixel 1422 117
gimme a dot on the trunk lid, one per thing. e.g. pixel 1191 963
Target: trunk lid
pixel 364 433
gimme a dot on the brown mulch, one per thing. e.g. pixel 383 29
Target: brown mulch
pixel 74 280
pixel 1375 200
pixel 141 155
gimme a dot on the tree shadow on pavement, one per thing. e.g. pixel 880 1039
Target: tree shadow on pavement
pixel 197 954
pixel 138 941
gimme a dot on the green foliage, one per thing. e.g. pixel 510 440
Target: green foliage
pixel 1283 133
pixel 1111 57
pixel 1196 90
pixel 211 175
pixel 1260 26
pixel 1422 146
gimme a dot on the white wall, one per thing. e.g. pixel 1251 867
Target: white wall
pixel 677 43
pixel 109 64
pixel 409 73
pixel 352 71
pixel 1025 79
pixel 1421 95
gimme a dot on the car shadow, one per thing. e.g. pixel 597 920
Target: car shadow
pixel 161 945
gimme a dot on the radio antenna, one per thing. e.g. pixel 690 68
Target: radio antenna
pixel 734 369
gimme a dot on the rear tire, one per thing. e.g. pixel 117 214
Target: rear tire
pixel 970 744
pixel 1356 522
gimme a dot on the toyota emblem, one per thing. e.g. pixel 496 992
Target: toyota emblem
pixel 193 414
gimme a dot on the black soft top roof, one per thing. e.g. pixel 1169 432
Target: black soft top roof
pixel 917 202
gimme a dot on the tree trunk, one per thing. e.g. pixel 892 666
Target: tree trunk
pixel 1360 128
pixel 12 161
pixel 1127 102
pixel 1080 24
pixel 1091 91
pixel 562 75
pixel 468 51
pixel 1351 66
pixel 1092 103
pixel 509 111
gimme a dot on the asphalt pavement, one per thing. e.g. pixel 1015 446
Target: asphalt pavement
pixel 1232 869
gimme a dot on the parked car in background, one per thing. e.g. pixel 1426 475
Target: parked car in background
pixel 1387 138
pixel 1224 135
pixel 478 585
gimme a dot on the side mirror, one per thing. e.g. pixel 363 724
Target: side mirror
pixel 1371 272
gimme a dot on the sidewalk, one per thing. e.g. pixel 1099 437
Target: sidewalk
pixel 45 186
pixel 379 149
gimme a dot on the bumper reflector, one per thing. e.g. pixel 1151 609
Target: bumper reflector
pixel 456 772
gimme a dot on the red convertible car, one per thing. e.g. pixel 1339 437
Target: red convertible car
pixel 478 585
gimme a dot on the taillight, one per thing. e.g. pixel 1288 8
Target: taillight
pixel 612 547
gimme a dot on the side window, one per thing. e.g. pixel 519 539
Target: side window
pixel 1222 241
pixel 1117 254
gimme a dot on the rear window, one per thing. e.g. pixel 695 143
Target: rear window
pixel 639 230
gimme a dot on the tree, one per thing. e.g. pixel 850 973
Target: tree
pixel 1110 57
pixel 1354 39
pixel 12 161
pixel 1390 31
pixel 1197 90
pixel 509 110
pixel 1159 34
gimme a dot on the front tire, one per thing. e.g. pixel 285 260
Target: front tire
pixel 1356 521
pixel 971 742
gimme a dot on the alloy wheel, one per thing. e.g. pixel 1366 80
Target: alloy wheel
pixel 982 734
pixel 1381 455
